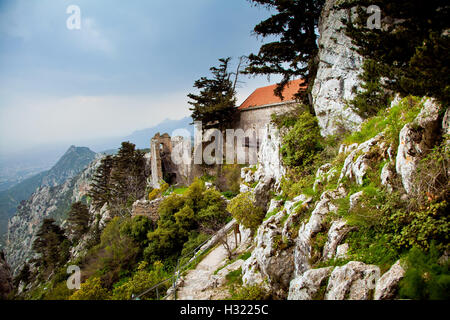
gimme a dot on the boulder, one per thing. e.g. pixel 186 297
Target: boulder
pixel 270 259
pixel 359 161
pixel 387 285
pixel 302 251
pixel 337 232
pixel 262 192
pixel 307 286
pixel 415 141
pixel 353 281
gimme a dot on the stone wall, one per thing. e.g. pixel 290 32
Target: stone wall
pixel 147 208
pixel 258 117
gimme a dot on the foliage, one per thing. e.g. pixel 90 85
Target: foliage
pixel 293 54
pixel 78 219
pixel 90 290
pixel 119 180
pixel 137 229
pixel 215 105
pixel 426 277
pixel 411 52
pixel 128 180
pixel 302 142
pixel 229 178
pixel 115 254
pixel 51 244
pixel 197 209
pixel 373 97
pixel 391 121
pixel 141 280
pixel 100 187
pixel 155 193
pixel 243 209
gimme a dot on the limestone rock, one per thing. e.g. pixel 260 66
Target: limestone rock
pixel 388 283
pixel 337 232
pixel 337 74
pixel 269 159
pixel 267 260
pixel 262 192
pixel 415 140
pixel 387 176
pixel 274 204
pixel 302 251
pixel 307 285
pixel 353 281
pixel 355 199
pixel 341 251
pixel 322 175
pixel 359 161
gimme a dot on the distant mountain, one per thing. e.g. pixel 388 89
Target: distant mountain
pixel 141 138
pixel 69 165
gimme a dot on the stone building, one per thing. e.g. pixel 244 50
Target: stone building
pixel 255 112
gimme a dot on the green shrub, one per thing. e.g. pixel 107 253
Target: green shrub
pixel 302 142
pixel 142 280
pixel 92 289
pixel 243 209
pixel 425 277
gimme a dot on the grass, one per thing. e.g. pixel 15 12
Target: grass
pixel 390 120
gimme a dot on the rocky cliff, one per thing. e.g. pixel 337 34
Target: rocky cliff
pixel 301 235
pixel 47 201
pixel 337 76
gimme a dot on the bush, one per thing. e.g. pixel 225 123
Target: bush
pixel 425 277
pixel 141 281
pixel 90 290
pixel 115 254
pixel 243 209
pixel 302 142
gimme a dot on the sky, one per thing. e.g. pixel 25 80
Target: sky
pixel 129 66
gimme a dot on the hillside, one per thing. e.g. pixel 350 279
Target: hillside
pixel 74 160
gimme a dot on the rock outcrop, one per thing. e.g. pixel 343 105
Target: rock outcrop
pixel 303 248
pixel 337 75
pixel 307 286
pixel 270 260
pixel 387 285
pixel 353 281
pixel 46 202
pixel 416 140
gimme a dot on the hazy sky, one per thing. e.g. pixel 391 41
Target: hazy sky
pixel 129 67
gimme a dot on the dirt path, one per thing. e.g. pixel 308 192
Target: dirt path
pixel 199 283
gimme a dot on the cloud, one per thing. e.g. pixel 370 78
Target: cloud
pixel 54 120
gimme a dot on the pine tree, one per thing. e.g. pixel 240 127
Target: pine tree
pixel 100 187
pixel 50 244
pixel 410 51
pixel 78 219
pixel 128 178
pixel 294 54
pixel 215 105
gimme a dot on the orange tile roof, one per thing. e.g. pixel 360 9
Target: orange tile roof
pixel 265 95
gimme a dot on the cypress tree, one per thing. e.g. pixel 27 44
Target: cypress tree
pixel 215 105
pixel 294 54
pixel 410 52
